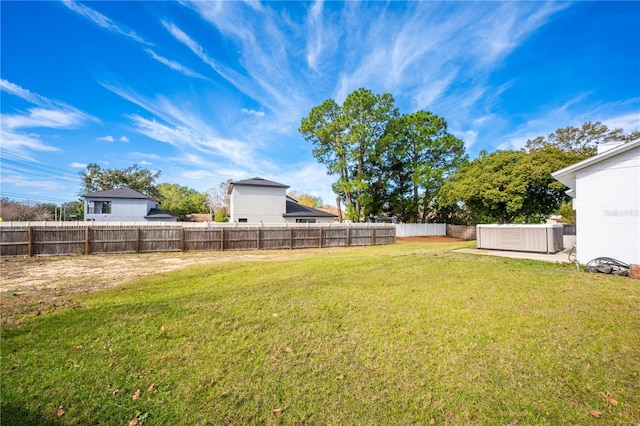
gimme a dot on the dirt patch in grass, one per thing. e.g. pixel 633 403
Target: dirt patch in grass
pixel 38 285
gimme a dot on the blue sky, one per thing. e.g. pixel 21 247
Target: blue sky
pixel 207 92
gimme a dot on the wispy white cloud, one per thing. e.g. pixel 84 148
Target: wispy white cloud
pixel 107 138
pixel 76 165
pixel 39 117
pixel 258 114
pixel 102 21
pixel 317 37
pixel 201 53
pixel 174 65
pixel 24 182
pixel 48 113
pixel 274 78
pixel 124 139
pixel 22 144
pixel 627 122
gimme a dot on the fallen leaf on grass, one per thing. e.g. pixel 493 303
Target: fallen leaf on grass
pixel 133 422
pixel 277 411
pixel 288 350
pixel 111 364
pixel 58 413
pixel 432 421
pixel 115 392
pixel 609 399
pixel 595 413
pixel 574 402
pixel 151 388
pixel 340 377
pixel 211 383
pixel 137 395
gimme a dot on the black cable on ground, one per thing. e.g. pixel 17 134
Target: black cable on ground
pixel 607 265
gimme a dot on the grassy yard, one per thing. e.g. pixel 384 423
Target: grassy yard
pixel 404 334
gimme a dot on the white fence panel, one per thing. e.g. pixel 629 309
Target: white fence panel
pixel 421 229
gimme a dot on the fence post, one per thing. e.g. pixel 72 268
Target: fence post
pixel 320 242
pixel 258 237
pixel 222 239
pixel 86 240
pixel 29 241
pixel 372 237
pixel 181 247
pixel 290 238
pixel 137 239
pixel 348 236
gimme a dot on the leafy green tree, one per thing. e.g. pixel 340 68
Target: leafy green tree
pixel 421 156
pixel 221 216
pixel 581 141
pixel 567 212
pixel 73 210
pixel 489 187
pixel 94 179
pixel 181 200
pixel 306 199
pixel 348 140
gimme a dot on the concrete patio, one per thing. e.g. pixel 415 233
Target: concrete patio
pixel 560 257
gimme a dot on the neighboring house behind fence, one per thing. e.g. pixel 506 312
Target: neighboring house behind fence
pixel 260 200
pixel 123 205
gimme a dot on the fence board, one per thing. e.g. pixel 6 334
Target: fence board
pixel 51 240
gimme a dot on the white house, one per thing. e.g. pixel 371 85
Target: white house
pixel 259 200
pixel 123 205
pixel 606 197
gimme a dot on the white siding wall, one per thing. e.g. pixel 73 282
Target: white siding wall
pixel 607 205
pixel 122 210
pixel 257 204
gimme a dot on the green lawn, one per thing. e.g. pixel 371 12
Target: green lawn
pixel 403 334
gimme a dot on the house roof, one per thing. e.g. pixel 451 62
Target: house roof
pixel 119 193
pixel 298 210
pixel 257 181
pixel 158 214
pixel 567 176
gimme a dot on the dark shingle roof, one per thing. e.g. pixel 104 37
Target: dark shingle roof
pixel 118 193
pixel 158 214
pixel 298 210
pixel 257 181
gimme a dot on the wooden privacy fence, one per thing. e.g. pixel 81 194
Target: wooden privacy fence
pixel 462 232
pixel 35 241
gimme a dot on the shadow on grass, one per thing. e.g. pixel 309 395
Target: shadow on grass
pixel 18 416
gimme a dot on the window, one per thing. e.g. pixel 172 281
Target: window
pixel 100 207
pixel 305 221
pixel 106 207
pixel 242 220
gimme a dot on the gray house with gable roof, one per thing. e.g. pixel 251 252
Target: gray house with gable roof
pixel 123 205
pixel 260 200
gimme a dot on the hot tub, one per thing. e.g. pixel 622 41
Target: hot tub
pixel 530 238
